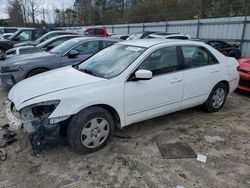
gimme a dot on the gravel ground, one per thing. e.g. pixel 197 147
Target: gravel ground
pixel 136 160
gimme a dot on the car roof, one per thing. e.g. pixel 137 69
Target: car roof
pixel 95 38
pixel 147 43
pixel 61 31
pixel 163 36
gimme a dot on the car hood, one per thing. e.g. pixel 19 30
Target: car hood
pixel 24 44
pixel 245 64
pixel 49 82
pixel 29 58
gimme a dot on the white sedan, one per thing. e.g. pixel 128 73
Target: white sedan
pixel 126 83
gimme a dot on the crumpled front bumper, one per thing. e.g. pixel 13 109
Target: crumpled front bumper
pixel 40 132
pixel 14 122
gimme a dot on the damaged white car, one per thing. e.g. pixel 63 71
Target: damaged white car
pixel 126 83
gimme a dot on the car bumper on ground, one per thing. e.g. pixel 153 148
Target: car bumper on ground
pixel 11 78
pixel 244 83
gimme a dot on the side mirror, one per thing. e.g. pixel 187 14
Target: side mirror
pixel 16 39
pixel 49 47
pixel 143 74
pixel 73 53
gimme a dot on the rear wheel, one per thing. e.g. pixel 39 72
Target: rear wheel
pixel 90 130
pixel 35 72
pixel 216 99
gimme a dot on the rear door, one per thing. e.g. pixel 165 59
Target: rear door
pixel 201 74
pixel 85 49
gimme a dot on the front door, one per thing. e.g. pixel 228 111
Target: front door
pixel 145 99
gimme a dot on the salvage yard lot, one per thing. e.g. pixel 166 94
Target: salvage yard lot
pixel 132 159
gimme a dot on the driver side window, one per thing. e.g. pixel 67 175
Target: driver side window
pixel 89 47
pixel 164 60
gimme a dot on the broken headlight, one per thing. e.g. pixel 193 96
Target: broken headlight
pixel 39 110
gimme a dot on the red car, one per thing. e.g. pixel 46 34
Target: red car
pixel 244 70
pixel 96 32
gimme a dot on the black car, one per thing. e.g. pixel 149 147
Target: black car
pixel 231 50
pixel 21 35
pixel 46 45
pixel 45 37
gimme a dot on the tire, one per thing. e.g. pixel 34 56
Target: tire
pixel 216 99
pixel 35 72
pixel 2 52
pixel 83 130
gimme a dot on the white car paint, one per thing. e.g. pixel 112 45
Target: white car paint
pixel 133 101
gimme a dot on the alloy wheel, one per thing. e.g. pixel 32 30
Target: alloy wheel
pixel 95 132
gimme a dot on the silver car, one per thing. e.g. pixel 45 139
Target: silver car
pixel 70 52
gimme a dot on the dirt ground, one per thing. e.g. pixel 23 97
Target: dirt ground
pixel 136 161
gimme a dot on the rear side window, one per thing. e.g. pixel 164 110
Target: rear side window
pixel 161 61
pixel 99 32
pixel 89 47
pixel 107 43
pixel 10 30
pixel 38 34
pixel 197 56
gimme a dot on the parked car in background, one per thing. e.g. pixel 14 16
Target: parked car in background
pixel 231 50
pixel 122 37
pixel 44 46
pixel 46 37
pixel 140 35
pixel 126 83
pixel 70 52
pixel 7 35
pixel 21 35
pixel 5 32
pixel 96 32
pixel 244 70
pixel 169 36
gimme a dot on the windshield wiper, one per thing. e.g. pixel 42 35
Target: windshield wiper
pixel 88 72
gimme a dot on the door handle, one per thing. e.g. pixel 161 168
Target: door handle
pixel 214 70
pixel 175 80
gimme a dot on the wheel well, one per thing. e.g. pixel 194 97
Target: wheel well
pixel 226 84
pixel 113 112
pixel 36 69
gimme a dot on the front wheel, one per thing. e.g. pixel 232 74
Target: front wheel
pixel 90 130
pixel 216 99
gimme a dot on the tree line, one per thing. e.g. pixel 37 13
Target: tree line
pixel 98 12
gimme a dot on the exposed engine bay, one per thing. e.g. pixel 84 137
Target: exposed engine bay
pixel 42 131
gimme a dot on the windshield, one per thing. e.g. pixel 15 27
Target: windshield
pixel 111 61
pixel 13 35
pixel 64 47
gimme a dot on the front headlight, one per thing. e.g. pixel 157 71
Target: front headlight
pixel 40 110
pixel 10 69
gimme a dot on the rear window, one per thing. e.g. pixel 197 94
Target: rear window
pixel 10 30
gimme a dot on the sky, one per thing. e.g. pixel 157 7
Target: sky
pixel 47 4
